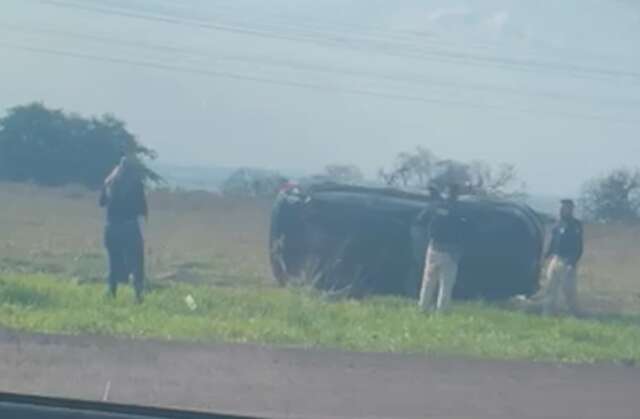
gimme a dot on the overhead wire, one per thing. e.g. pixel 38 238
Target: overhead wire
pixel 406 78
pixel 363 44
pixel 291 21
pixel 311 86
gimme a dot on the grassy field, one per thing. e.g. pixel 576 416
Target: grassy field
pixel 52 266
pixel 300 317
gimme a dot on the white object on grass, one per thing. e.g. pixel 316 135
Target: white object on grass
pixel 191 303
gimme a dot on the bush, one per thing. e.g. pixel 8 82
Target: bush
pixel 612 197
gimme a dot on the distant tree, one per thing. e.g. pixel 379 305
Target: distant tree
pixel 501 181
pixel 50 147
pixel 252 183
pixel 411 169
pixel 612 197
pixel 421 169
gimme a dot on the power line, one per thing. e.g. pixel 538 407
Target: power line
pixel 403 33
pixel 332 37
pixel 368 45
pixel 404 78
pixel 310 86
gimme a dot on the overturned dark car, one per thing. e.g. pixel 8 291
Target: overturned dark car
pixel 366 240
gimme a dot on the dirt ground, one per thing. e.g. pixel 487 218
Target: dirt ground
pixel 300 383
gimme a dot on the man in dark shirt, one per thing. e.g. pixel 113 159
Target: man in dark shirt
pixel 124 198
pixel 564 253
pixel 446 235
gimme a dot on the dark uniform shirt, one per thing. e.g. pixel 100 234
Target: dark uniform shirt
pixel 125 202
pixel 566 241
pixel 447 229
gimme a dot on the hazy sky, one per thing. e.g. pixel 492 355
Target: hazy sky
pixel 553 86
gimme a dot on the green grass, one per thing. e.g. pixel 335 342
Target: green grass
pixel 41 303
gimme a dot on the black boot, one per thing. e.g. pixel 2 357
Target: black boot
pixel 139 297
pixel 112 291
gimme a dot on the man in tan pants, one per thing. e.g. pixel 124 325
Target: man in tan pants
pixel 565 251
pixel 440 273
pixel 446 232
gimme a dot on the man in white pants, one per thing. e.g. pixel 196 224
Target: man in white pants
pixel 565 251
pixel 446 232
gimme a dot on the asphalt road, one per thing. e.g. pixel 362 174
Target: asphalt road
pixel 299 383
